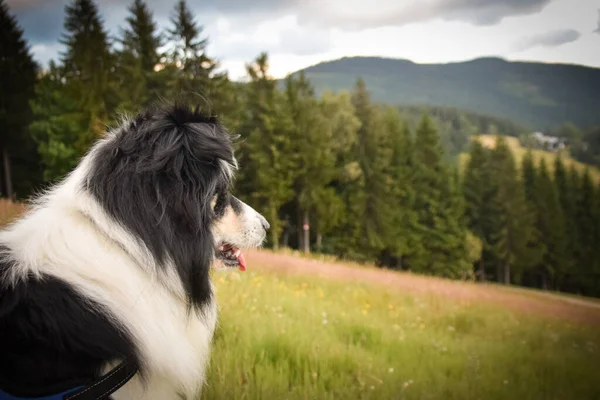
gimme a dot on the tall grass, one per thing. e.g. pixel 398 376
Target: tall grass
pixel 302 338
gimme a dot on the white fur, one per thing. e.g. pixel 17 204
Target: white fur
pixel 68 235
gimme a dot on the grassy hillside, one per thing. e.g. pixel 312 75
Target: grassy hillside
pixel 318 335
pixel 519 151
pixel 304 337
pixel 538 95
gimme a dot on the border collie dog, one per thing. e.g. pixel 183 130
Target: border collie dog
pixel 113 263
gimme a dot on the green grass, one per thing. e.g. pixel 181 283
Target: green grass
pixel 305 338
pixel 519 151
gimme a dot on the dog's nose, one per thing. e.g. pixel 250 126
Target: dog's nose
pixel 264 223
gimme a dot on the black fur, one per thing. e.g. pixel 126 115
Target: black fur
pixel 52 338
pixel 157 178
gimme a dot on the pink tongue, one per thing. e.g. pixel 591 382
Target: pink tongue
pixel 242 262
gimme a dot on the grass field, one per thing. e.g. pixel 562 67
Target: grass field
pixel 538 155
pixel 302 336
pixel 314 328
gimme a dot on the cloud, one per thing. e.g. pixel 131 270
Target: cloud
pixel 281 36
pixel 598 29
pixel 43 19
pixel 553 38
pixel 20 5
pixel 46 52
pixel 397 13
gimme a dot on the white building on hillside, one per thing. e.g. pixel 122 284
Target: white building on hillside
pixel 551 143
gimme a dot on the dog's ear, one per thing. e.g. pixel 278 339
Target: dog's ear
pixel 157 178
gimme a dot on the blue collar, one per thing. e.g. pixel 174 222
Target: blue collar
pixel 58 396
pixel 101 388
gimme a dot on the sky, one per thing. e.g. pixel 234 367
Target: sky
pixel 300 33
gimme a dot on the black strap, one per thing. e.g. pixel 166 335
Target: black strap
pixel 107 384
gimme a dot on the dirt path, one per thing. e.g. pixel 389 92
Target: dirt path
pixel 539 303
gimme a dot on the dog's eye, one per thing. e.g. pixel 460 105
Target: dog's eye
pixel 220 202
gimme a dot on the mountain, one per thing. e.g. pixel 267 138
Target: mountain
pixel 540 96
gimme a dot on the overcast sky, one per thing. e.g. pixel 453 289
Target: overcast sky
pixel 299 33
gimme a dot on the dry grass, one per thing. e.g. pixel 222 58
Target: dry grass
pixel 298 328
pixel 9 210
pixel 519 151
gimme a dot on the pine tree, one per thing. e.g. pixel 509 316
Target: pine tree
pixel 266 155
pixel 536 247
pixel 74 100
pixel 595 284
pixel 567 197
pixel 587 258
pixel 509 226
pixel 313 150
pixel 373 156
pixel 349 243
pixel 185 35
pixel 195 72
pixel 437 201
pixel 551 226
pixel 339 112
pixel 477 191
pixel 139 56
pixel 17 81
pixel 454 226
pixel 403 241
pixel 57 125
pixel 88 64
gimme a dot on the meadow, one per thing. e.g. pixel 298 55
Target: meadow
pixel 313 328
pixel 302 336
pixel 519 151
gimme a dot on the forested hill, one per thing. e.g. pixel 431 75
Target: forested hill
pixel 538 95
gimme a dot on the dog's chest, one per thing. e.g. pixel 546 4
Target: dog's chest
pixel 177 357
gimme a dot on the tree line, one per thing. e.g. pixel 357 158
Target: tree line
pixel 538 227
pixel 336 174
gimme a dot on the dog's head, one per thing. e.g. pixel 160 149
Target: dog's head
pixel 166 178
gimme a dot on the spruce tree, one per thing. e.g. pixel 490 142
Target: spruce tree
pixel 74 100
pixel 185 35
pixel 437 204
pixel 266 155
pixel 403 241
pixel 313 150
pixel 477 191
pixel 550 224
pixel 351 243
pixel 453 225
pixel 17 82
pixel 57 124
pixel 141 36
pixel 587 258
pixel 595 284
pixel 332 214
pixel 567 197
pixel 536 247
pixel 509 225
pixel 194 71
pixel 88 64
pixel 373 155
pixel 139 56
